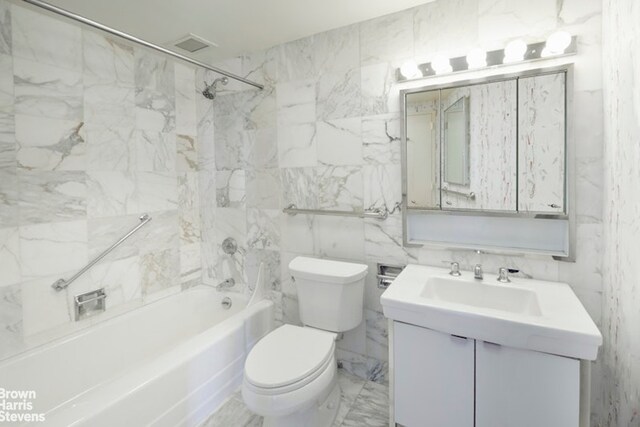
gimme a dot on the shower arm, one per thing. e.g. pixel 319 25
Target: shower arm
pixel 134 39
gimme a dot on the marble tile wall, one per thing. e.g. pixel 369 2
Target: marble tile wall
pixel 93 133
pixel 325 133
pixel 621 312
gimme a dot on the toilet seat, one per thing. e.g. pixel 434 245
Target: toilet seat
pixel 288 358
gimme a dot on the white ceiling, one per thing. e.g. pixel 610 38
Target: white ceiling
pixel 237 26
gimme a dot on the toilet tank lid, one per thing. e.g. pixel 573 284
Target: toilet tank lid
pixel 326 270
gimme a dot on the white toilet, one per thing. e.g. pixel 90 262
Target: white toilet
pixel 290 376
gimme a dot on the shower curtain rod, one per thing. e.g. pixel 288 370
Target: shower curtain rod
pixel 94 24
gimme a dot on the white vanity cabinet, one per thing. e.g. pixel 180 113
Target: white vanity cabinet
pixel 445 380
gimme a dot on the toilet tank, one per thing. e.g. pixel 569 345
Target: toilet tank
pixel 330 293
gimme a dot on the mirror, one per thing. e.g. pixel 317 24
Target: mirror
pixel 492 146
pixel 456 142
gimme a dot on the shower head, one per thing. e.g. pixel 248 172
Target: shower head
pixel 209 91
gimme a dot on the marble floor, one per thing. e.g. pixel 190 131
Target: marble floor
pixel 362 404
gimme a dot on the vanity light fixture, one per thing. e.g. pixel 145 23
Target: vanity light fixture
pixel 560 43
pixel 441 65
pixel 410 70
pixel 556 44
pixel 477 58
pixel 514 52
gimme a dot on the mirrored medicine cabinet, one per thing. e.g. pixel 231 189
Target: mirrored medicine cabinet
pixel 493 147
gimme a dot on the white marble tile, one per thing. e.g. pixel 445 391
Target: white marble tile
pixel 231 188
pixel 355 340
pixel 383 241
pixel 263 149
pixel 339 237
pixel 109 106
pixel 111 149
pixel 47 196
pixel 47 91
pixel 336 50
pixel 340 188
pixel 11 324
pixel 448 28
pixel 120 279
pixel 5 28
pixel 261 67
pixel 155 111
pixel 589 190
pixel 187 155
pixel 185 83
pixel 377 81
pixel 155 151
pixel 295 60
pixel 382 186
pixel 338 95
pixel 371 407
pixel 263 229
pixel 110 194
pixel 297 234
pixel 6 82
pixel 106 60
pixel 156 191
pixel 160 272
pixel 296 102
pixel 45 39
pixel 377 335
pixel 189 208
pixel 233 412
pixel 54 248
pixel 381 139
pixel 231 148
pixel 339 142
pixel 190 263
pixel 271 261
pixel 231 222
pixel 386 38
pixel 50 144
pixel 299 187
pixel 9 256
pixel 43 308
pixel 297 145
pixel 263 188
pixel 500 20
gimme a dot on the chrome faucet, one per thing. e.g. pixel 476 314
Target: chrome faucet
pixel 503 275
pixel 477 272
pixel 455 269
pixel 229 283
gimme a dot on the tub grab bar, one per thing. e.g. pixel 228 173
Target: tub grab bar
pixel 61 284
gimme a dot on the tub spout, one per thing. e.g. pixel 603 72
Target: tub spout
pixel 229 283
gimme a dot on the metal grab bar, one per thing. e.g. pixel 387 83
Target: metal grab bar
pixel 471 195
pixel 61 284
pixel 369 213
pixel 94 24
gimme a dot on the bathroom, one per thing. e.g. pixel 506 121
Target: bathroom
pixel 182 190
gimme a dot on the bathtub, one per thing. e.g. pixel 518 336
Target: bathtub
pixel 170 363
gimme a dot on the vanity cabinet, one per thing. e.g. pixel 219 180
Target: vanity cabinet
pixel 446 380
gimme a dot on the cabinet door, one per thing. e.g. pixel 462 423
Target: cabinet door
pixel 525 388
pixel 433 378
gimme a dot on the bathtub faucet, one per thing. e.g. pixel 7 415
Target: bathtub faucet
pixel 229 283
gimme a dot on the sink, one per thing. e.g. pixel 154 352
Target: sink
pixel 528 314
pixel 482 295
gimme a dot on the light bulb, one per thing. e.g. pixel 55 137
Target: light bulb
pixel 477 58
pixel 557 43
pixel 515 51
pixel 441 65
pixel 410 70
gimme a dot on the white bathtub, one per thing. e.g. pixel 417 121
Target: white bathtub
pixel 170 363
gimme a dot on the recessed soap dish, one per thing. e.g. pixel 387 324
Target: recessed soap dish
pixel 89 303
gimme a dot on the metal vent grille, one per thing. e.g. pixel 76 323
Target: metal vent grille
pixel 192 43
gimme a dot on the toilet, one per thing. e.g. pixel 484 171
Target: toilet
pixel 290 375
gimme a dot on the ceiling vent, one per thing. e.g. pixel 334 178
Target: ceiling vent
pixel 192 43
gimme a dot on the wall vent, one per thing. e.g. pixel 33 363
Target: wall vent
pixel 192 43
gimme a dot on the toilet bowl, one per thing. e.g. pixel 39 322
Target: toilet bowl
pixel 290 375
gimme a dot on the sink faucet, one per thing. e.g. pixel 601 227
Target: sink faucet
pixel 503 275
pixel 477 272
pixel 226 284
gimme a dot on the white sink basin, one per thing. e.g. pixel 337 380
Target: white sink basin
pixel 482 295
pixel 528 314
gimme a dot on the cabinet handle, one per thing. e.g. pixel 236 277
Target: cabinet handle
pixel 458 337
pixel 491 344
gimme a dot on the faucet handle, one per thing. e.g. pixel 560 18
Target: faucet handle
pixel 503 275
pixel 455 269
